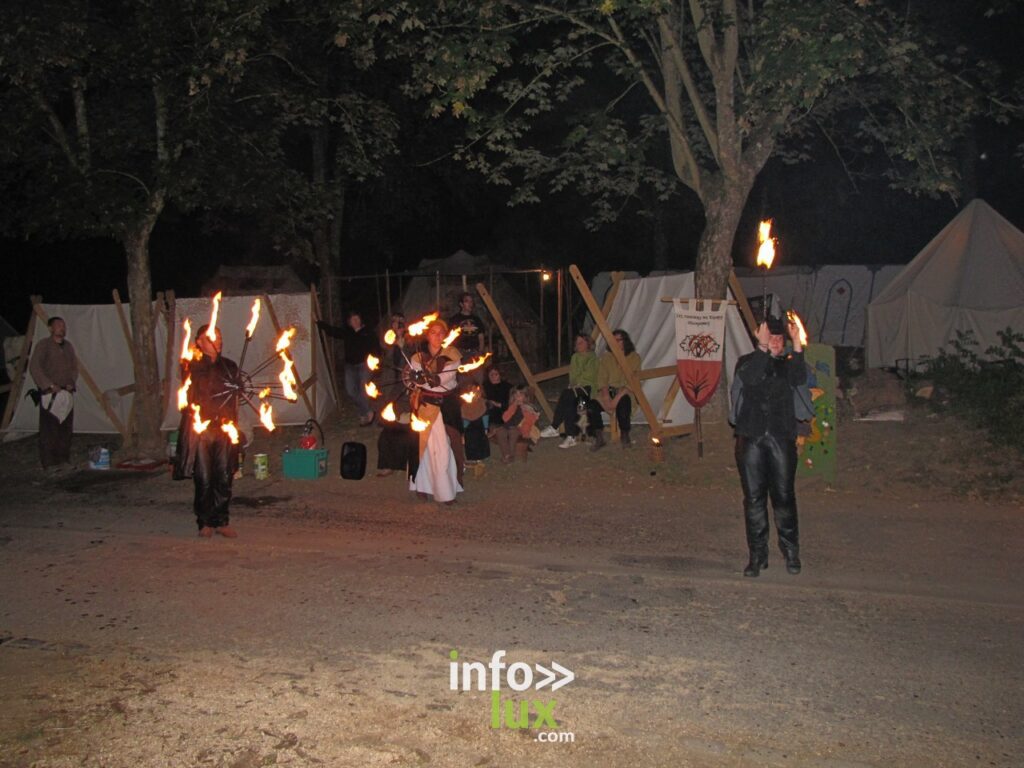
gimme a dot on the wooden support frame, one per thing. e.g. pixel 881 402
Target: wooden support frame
pixel 298 376
pixel 514 349
pixel 19 370
pixel 632 380
pixel 743 302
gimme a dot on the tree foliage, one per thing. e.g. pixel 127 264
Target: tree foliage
pixel 693 97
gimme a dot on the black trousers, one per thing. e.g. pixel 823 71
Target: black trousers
pixel 55 438
pixel 478 447
pixel 397 448
pixel 767 467
pixel 216 460
pixel 623 412
pixel 565 410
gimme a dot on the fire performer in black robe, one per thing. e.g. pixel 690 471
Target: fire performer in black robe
pixel 211 454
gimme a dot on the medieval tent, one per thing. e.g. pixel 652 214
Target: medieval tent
pixel 442 282
pixel 970 277
pixel 650 322
pixel 832 300
pixel 101 345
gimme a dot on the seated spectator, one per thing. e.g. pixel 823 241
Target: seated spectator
pixel 518 422
pixel 613 394
pixel 496 394
pixel 572 403
pixel 474 424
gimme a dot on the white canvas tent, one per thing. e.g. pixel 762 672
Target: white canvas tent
pixel 969 277
pixel 100 343
pixel 832 300
pixel 639 310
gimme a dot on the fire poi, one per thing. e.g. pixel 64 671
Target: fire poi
pixel 765 257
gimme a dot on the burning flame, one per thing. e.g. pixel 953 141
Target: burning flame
pixel 267 416
pixel 418 424
pixel 287 378
pixel 473 365
pixel 198 425
pixel 264 393
pixel 186 350
pixel 794 318
pixel 656 442
pixel 373 363
pixel 183 394
pixel 251 327
pixel 419 327
pixel 469 397
pixel 451 337
pixel 285 340
pixel 371 390
pixel 766 251
pixel 211 331
pixel 388 414
pixel 390 337
pixel 231 431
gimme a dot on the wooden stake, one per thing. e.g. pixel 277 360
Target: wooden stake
pixel 741 299
pixel 19 370
pixel 542 400
pixel 328 349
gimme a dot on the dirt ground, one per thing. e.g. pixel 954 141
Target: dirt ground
pixel 322 635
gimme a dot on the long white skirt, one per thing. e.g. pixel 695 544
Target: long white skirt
pixel 437 473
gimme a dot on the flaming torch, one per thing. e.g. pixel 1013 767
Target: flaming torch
pixel 231 431
pixel 418 424
pixel 250 329
pixel 417 329
pixel 373 363
pixel 211 331
pixel 372 391
pixel 183 394
pixel 794 318
pixel 765 257
pixel 474 364
pixel 186 349
pixel 198 425
pixel 390 337
pixel 451 337
pixel 388 414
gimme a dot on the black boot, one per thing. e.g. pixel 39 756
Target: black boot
pixel 758 562
pixel 792 560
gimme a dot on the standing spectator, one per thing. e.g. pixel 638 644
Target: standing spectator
pixel 360 342
pixel 613 393
pixel 54 367
pixel 471 341
pixel 766 428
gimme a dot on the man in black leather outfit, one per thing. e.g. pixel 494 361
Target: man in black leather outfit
pixel 214 389
pixel 766 431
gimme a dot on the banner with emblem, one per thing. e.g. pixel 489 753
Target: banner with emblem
pixel 700 340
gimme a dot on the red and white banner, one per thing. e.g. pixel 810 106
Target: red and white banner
pixel 700 340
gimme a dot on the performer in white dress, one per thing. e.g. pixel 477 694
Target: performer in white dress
pixel 435 399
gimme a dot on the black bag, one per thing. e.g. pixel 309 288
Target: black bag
pixel 353 461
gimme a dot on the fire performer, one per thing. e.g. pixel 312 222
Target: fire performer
pixel 435 399
pixel 213 402
pixel 766 429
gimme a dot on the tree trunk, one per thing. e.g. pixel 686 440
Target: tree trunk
pixel 145 441
pixel 723 206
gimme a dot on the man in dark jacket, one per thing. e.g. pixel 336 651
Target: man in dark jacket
pixel 360 342
pixel 212 452
pixel 766 430
pixel 54 368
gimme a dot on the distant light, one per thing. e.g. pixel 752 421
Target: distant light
pixel 545 276
pixel 984 156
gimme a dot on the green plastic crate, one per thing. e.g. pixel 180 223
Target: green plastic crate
pixel 302 464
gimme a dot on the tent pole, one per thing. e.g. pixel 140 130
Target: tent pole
pixel 327 348
pixel 170 315
pixel 437 290
pixel 558 318
pixel 387 292
pixel 19 370
pixel 542 400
